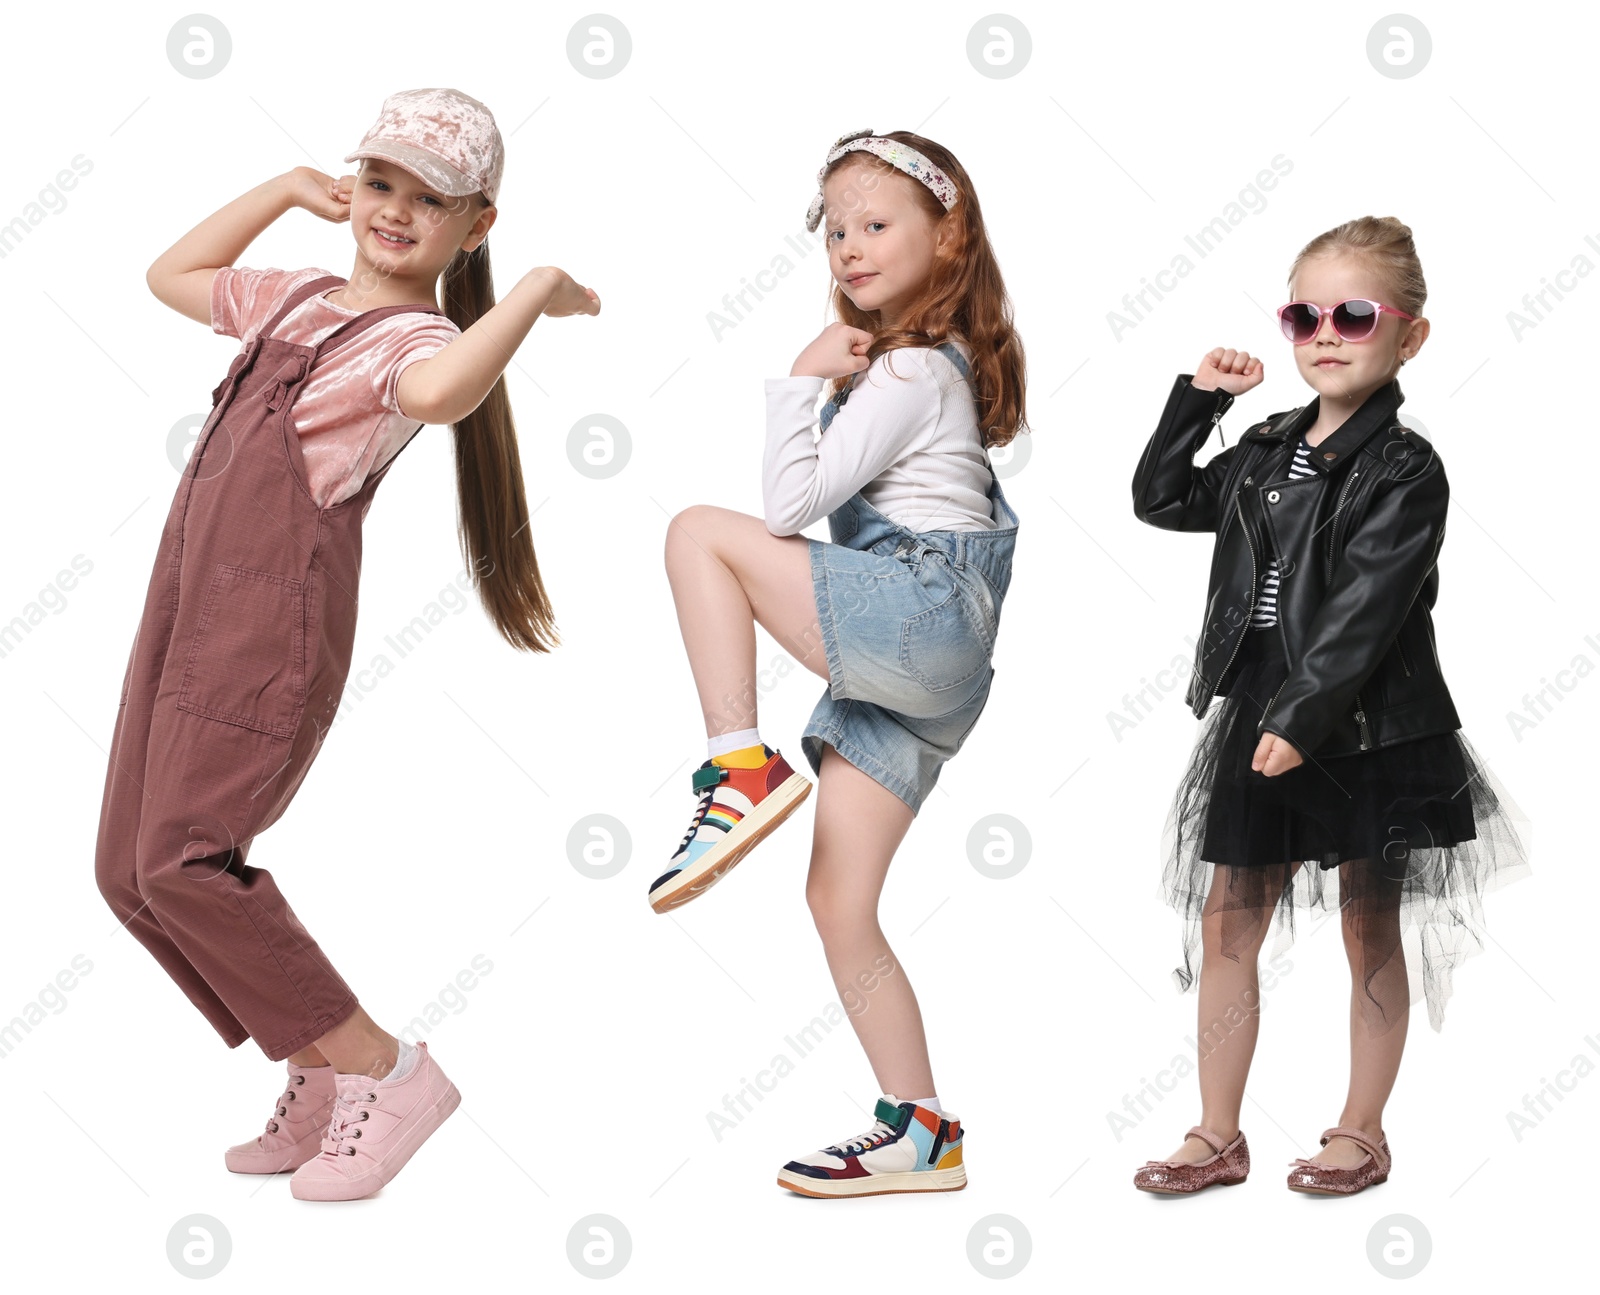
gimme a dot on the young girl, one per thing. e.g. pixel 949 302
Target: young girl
pixel 242 654
pixel 898 613
pixel 1337 745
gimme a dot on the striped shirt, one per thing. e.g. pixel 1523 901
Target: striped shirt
pixel 1265 615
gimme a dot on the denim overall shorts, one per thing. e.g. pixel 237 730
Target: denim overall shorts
pixel 908 621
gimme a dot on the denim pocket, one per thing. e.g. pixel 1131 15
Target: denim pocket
pixel 247 662
pixel 982 706
pixel 944 646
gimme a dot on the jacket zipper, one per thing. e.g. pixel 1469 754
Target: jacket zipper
pixel 1360 715
pixel 1262 725
pixel 1250 610
pixel 1283 634
pixel 1268 711
pixel 1333 542
pixel 1338 517
pixel 1405 661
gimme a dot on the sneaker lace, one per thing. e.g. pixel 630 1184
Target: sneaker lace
pixel 348 1112
pixel 699 817
pixel 878 1133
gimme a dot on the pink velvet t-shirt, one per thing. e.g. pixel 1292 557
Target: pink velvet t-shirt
pixel 347 414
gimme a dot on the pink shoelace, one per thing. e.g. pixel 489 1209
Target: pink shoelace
pixel 347 1112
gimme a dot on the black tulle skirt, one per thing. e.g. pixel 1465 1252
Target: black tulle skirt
pixel 1415 833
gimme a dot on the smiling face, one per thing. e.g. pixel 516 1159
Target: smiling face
pixel 881 238
pixel 427 227
pixel 1345 371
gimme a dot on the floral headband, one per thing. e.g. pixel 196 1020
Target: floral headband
pixel 896 154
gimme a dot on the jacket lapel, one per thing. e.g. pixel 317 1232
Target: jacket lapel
pixel 1377 412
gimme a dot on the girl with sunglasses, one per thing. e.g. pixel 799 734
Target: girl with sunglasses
pixel 1336 750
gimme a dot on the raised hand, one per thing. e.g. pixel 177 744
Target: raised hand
pixel 837 350
pixel 1234 371
pixel 321 194
pixel 568 297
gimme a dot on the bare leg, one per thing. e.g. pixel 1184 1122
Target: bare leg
pixel 1230 1003
pixel 858 826
pixel 356 1046
pixel 728 572
pixel 1377 1031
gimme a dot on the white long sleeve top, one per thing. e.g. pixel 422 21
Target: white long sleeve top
pixel 907 438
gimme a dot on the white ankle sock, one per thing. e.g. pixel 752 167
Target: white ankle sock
pixel 402 1064
pixel 932 1103
pixel 726 742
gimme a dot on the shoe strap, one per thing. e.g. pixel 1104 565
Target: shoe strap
pixel 1379 1156
pixel 1209 1138
pixel 894 1116
pixel 710 776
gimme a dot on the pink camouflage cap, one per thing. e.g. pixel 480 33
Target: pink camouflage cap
pixel 447 139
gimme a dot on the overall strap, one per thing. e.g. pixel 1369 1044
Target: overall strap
pixel 301 294
pixel 953 353
pixel 831 407
pixel 353 328
pixel 948 349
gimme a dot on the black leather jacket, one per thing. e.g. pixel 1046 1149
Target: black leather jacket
pixel 1357 543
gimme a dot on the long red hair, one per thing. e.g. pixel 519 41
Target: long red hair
pixel 965 296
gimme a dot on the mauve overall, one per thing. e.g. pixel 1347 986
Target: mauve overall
pixel 235 675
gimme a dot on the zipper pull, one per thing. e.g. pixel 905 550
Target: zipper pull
pixel 1216 422
pixel 1361 719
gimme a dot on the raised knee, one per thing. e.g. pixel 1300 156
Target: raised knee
pixel 688 527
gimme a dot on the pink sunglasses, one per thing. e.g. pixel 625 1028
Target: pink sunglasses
pixel 1354 320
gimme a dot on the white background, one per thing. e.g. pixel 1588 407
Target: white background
pixel 437 818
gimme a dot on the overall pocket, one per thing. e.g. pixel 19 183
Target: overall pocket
pixel 247 662
pixel 944 646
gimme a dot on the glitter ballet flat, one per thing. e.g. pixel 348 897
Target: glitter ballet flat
pixel 1331 1180
pixel 1230 1165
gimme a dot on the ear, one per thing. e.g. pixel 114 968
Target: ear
pixel 1416 335
pixel 480 228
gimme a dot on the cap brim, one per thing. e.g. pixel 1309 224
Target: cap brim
pixel 425 166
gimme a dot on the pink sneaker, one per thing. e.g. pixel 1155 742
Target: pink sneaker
pixel 376 1127
pixel 293 1132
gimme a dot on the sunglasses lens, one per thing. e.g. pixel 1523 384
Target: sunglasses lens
pixel 1299 322
pixel 1355 320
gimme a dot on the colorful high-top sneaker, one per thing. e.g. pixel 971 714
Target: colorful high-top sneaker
pixel 908 1149
pixel 738 807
